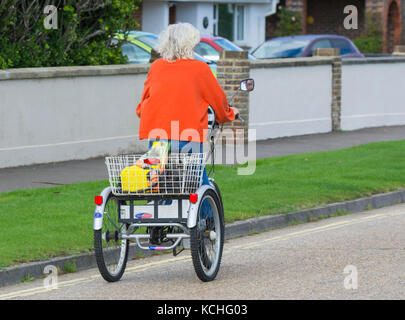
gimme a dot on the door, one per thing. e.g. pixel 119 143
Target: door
pixel 226 20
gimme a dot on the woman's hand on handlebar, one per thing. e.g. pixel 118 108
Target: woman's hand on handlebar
pixel 237 115
pixel 235 111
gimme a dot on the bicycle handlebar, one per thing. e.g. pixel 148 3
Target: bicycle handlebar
pixel 238 117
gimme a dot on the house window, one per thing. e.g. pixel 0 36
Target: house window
pixel 240 22
pixel 225 21
pixel 231 21
pixel 215 21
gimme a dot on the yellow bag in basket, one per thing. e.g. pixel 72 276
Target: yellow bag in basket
pixel 144 174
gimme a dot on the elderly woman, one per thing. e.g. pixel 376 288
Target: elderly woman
pixel 177 93
pixel 179 89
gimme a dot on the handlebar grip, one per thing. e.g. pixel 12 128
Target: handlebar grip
pixel 238 117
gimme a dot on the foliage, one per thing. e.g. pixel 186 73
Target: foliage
pixel 290 23
pixel 371 40
pixel 84 29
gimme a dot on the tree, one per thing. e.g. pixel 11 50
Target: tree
pixel 82 35
pixel 290 23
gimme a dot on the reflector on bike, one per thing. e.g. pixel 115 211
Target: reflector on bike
pixel 98 200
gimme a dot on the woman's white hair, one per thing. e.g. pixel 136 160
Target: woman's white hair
pixel 177 41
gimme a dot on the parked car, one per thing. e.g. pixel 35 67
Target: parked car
pixel 304 46
pixel 139 44
pixel 210 47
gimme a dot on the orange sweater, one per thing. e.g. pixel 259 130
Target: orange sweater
pixel 180 91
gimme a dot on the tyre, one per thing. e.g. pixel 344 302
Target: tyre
pixel 111 251
pixel 207 237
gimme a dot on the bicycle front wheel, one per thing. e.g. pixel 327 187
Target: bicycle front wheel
pixel 207 237
pixel 111 251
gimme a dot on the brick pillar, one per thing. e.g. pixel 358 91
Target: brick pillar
pixel 399 51
pixel 232 68
pixel 336 107
pixel 295 5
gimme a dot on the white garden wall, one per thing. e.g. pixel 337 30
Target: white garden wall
pixel 291 97
pixel 57 114
pixel 373 93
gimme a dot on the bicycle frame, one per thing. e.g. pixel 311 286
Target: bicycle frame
pixel 186 210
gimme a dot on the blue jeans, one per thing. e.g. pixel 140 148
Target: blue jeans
pixel 186 147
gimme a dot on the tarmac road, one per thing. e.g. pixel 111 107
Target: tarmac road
pixel 306 261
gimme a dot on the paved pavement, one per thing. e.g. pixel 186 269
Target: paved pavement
pixel 358 256
pixel 47 175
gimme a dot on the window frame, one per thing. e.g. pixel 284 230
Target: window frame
pixel 236 23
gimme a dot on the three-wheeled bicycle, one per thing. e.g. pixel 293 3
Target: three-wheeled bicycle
pixel 161 204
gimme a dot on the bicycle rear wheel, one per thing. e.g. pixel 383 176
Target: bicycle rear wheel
pixel 111 251
pixel 207 237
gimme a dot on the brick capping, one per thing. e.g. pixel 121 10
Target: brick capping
pixel 399 51
pixel 77 71
pixel 290 62
pixel 381 60
pixel 326 52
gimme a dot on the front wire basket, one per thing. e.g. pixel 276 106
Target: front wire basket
pixel 181 174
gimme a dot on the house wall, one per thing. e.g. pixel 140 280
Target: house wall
pixel 255 25
pixel 194 13
pixel 155 16
pixel 328 17
pixel 379 7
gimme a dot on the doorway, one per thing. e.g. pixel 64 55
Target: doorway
pixel 393 28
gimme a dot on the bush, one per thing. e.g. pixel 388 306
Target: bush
pixel 82 37
pixel 371 41
pixel 290 23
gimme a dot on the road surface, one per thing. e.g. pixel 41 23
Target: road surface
pixel 356 256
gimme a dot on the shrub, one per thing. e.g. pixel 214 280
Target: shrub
pixel 370 41
pixel 82 37
pixel 290 23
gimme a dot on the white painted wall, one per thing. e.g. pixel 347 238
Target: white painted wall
pixel 186 12
pixel 372 95
pixel 205 10
pixel 290 101
pixel 58 119
pixel 255 25
pixel 155 16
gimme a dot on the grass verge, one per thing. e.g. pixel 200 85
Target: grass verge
pixel 39 224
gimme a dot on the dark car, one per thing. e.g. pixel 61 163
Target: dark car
pixel 304 46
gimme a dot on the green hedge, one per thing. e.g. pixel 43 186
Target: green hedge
pixel 82 36
pixel 290 23
pixel 371 40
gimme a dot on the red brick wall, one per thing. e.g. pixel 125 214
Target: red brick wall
pixel 138 15
pixel 328 17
